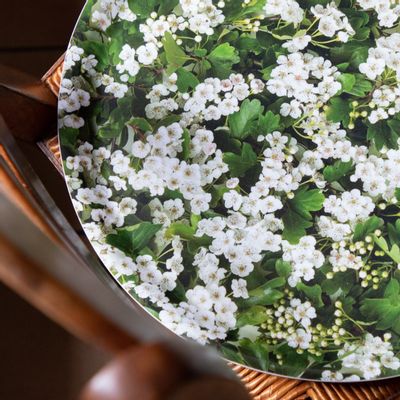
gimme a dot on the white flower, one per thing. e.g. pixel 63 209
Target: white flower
pixel 299 339
pixel 239 288
pixel 147 53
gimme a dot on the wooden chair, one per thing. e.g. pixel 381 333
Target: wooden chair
pixel 28 108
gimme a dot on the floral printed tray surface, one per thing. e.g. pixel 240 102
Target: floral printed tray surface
pixel 236 167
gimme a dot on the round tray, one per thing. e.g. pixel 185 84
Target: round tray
pixel 222 171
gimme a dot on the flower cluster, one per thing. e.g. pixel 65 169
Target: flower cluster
pixel 333 22
pixel 235 166
pixel 288 10
pixel 304 259
pixel 111 10
pixel 388 12
pixel 369 358
pixel 210 100
pixel 305 78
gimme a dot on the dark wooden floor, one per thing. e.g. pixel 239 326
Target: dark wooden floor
pixel 34 33
pixel 38 359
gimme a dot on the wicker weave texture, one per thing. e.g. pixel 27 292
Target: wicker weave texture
pixel 260 385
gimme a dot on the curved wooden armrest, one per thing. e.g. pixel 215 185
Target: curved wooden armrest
pixel 27 105
pixel 152 372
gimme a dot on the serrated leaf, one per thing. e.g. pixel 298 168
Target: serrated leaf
pixel 243 122
pixel 363 229
pixel 222 58
pixel 187 232
pixel 143 8
pixel 386 310
pixel 339 111
pixel 353 52
pixel 186 80
pixel 382 135
pixel 134 238
pixel 297 217
pixel 266 294
pixel 361 87
pixel 283 268
pixel 240 164
pixel 109 130
pixel 313 293
pixel 141 124
pixel 348 81
pixel 175 56
pixel 336 171
pixel 393 252
pixel 166 6
pixel 305 201
pixel 295 226
pixel 255 315
pixel 268 123
pixel 255 353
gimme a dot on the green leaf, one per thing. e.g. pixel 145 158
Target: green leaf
pixel 186 80
pixel 68 138
pixel 217 193
pixel 179 229
pixel 231 353
pixel 140 124
pixel 200 52
pixel 283 268
pixel 363 229
pixel 255 353
pixel 382 134
pixel 142 8
pixel 235 10
pixel 393 253
pixel 100 50
pixel 339 110
pixel 249 43
pixel 295 226
pixel 340 285
pixel 222 58
pixel 394 125
pixel 187 232
pixel 166 6
pixel 297 217
pixel 348 81
pixel 240 164
pixel 386 310
pixel 268 123
pixel 353 52
pixel 333 173
pixel 186 144
pixel 361 87
pixel 306 200
pixel 134 238
pixel 394 232
pixel 266 294
pixel 176 57
pixel 243 122
pixel 293 364
pixel 313 293
pixel 266 72
pixel 255 315
pixel 392 288
pixel 106 170
pixel 109 130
